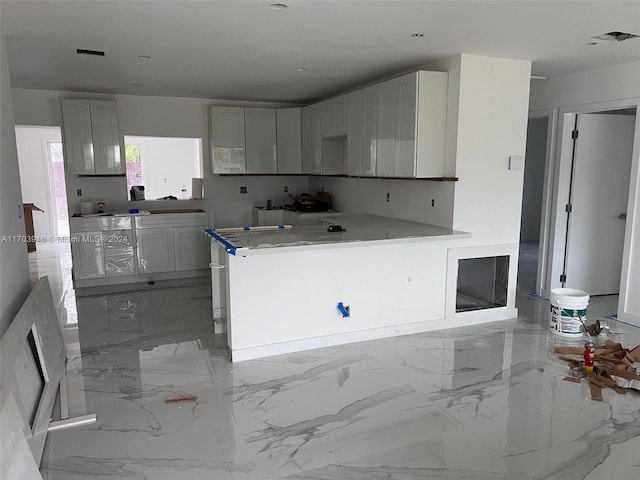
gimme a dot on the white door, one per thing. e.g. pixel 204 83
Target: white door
pixel 600 191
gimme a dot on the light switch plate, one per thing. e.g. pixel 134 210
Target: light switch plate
pixel 516 162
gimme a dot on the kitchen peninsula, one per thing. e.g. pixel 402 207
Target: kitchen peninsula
pixel 292 289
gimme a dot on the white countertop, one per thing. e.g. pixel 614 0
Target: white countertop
pixel 371 229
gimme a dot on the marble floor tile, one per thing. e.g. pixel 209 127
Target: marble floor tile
pixel 483 402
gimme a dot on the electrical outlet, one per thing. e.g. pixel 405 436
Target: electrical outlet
pixel 79 192
pixel 243 189
pixel 388 196
pixel 433 202
pixel 286 189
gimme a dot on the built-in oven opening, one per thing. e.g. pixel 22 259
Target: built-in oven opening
pixel 482 283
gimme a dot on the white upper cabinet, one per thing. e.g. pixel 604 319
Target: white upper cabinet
pixel 106 142
pixel 312 140
pixel 289 138
pixel 307 117
pixel 333 117
pixel 386 128
pixel 260 140
pixel 421 123
pixel 227 138
pixel 370 131
pixel 354 133
pixel 91 137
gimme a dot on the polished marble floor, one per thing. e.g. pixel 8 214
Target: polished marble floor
pixel 483 402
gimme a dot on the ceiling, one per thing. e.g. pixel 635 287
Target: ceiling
pixel 247 50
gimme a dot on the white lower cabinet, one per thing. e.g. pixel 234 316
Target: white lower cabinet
pixel 172 242
pixel 191 248
pixel 127 249
pixel 87 255
pixel 119 255
pixel 156 251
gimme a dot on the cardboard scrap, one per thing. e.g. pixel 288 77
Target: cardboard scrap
pixel 185 399
pixel 613 367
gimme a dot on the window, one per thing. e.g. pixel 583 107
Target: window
pixel 165 166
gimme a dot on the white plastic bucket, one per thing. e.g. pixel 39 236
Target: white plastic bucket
pixel 567 306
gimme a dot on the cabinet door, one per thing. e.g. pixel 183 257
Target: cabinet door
pixel 226 137
pixel 289 137
pixel 106 140
pixel 316 168
pixel 191 248
pixel 308 146
pixel 432 124
pixel 156 251
pixel 340 106
pixel 386 127
pixel 370 131
pixel 260 140
pixel 87 255
pixel 327 118
pixel 406 102
pixel 119 256
pixel 78 143
pixel 354 133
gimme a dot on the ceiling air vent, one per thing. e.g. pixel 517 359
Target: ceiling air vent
pixel 615 36
pixel 95 53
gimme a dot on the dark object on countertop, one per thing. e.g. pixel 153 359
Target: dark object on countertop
pixel 336 228
pixel 309 203
pixel 137 192
pixel 168 197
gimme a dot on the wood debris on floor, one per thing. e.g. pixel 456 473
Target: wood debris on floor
pixel 614 367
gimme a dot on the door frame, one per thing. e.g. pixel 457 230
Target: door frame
pixel 546 224
pixel 562 178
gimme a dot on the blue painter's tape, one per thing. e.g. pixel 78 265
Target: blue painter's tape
pixel 281 227
pixel 247 228
pixel 229 247
pixel 343 310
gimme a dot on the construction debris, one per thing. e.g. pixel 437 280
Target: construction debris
pixel 180 399
pixel 614 367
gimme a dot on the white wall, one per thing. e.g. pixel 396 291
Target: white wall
pixel 604 88
pixel 533 179
pixel 14 265
pixel 161 116
pixel 408 199
pixel 492 125
pixel 34 174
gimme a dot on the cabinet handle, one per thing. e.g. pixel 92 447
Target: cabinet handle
pixel 216 266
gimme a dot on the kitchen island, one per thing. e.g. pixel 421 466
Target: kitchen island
pixel 292 289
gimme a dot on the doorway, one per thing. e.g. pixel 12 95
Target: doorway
pixel 597 202
pixel 532 203
pixel 42 178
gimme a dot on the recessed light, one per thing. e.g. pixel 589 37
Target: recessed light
pixel 301 69
pixel 615 36
pixel 417 35
pixel 278 6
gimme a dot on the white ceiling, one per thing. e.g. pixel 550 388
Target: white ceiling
pixel 246 50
